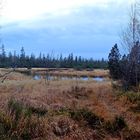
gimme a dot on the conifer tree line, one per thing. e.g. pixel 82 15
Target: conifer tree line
pixel 22 60
pixel 127 67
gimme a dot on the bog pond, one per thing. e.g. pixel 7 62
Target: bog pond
pixel 82 78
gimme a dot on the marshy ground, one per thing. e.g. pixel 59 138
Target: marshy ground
pixel 67 109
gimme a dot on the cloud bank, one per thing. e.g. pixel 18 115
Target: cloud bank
pixel 85 27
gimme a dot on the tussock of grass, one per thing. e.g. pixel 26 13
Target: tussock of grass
pixel 38 111
pixel 61 128
pixel 78 92
pixel 133 97
pixel 20 123
pixel 115 126
pixel 91 119
pixel 135 109
pixel 131 134
pixel 18 108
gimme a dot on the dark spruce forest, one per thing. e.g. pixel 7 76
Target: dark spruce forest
pixel 48 61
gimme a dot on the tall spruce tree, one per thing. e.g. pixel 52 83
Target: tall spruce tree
pixel 114 62
pixel 22 58
pixel 2 56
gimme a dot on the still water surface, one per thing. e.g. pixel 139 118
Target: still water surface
pixel 84 78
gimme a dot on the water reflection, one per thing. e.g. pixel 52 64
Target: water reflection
pixel 98 79
pixel 84 78
pixel 37 77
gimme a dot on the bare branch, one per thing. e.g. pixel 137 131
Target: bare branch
pixel 4 76
pixel 131 34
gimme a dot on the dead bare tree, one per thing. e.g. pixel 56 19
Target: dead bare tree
pixel 131 39
pixel 131 34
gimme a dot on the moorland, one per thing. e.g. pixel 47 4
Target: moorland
pixel 66 109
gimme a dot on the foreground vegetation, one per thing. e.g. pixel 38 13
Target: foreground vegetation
pixel 69 109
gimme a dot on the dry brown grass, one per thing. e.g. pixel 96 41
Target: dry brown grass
pixel 64 95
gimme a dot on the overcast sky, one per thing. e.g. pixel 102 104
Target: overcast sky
pixel 84 27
